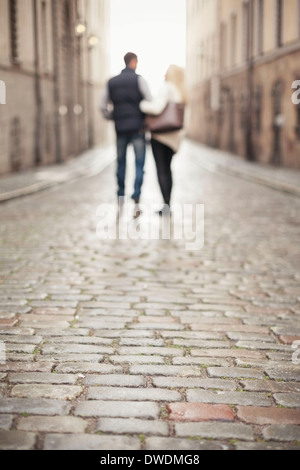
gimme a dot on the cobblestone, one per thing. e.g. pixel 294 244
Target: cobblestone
pixel 199 412
pixel 123 409
pixel 115 380
pixel 120 344
pixel 59 392
pixel 287 432
pixel 133 426
pixel 163 443
pixel 34 406
pixel 234 372
pixel 262 415
pixel 288 399
pixel 6 422
pixel 17 440
pixel 234 398
pixel 90 442
pixel 219 431
pixel 134 394
pixel 39 378
pixel 63 424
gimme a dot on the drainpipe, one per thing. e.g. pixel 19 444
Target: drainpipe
pixel 37 88
pixel 250 84
pixel 56 96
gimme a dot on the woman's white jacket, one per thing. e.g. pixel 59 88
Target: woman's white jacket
pixel 168 93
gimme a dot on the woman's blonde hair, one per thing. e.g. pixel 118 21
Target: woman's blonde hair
pixel 176 75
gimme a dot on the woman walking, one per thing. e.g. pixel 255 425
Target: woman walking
pixel 166 145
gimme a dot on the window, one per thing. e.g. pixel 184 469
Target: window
pixel 246 31
pixel 233 39
pixel 223 46
pixel 45 57
pixel 260 27
pixel 279 22
pixel 14 53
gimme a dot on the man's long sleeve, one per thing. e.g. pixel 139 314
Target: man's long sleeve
pixel 105 104
pixel 144 89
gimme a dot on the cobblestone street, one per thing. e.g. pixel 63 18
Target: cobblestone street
pixel 122 344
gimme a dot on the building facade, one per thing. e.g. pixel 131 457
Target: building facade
pixel 53 64
pixel 243 57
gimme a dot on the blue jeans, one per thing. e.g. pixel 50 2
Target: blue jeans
pixel 138 141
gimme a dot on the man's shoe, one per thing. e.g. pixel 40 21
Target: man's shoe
pixel 137 212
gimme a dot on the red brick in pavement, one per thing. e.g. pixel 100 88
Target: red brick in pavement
pixel 196 412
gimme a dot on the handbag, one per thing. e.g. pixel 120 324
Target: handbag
pixel 171 119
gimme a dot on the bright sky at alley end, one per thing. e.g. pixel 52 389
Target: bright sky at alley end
pixel 154 29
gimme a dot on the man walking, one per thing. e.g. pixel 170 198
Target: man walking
pixel 124 93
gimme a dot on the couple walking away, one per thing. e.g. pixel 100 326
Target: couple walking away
pixel 127 100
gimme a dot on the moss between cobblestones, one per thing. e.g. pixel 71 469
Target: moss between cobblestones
pixel 164 413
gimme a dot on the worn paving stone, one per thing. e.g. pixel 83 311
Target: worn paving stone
pixel 63 333
pixel 234 372
pixel 23 339
pixel 234 398
pixel 115 380
pixel 210 430
pixel 269 386
pixel 59 392
pixel 165 443
pixel 150 351
pixel 201 361
pixel 35 406
pixel 84 340
pixel 272 415
pixel 90 442
pixel 158 326
pixel 170 335
pixel 123 409
pixel 197 412
pixel 287 399
pixel 76 349
pixel 20 348
pixel 259 345
pixel 17 440
pixel 6 422
pixel 137 359
pixel 287 432
pixel 186 382
pixel 59 424
pixel 227 353
pixel 53 310
pixel 71 357
pixel 133 426
pixel 134 394
pixel 141 342
pixel 117 333
pixel 78 367
pixel 39 378
pixel 201 343
pixel 282 374
pixel 26 367
pixel 265 446
pixel 178 371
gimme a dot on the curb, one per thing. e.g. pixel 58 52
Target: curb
pixel 89 171
pixel 212 165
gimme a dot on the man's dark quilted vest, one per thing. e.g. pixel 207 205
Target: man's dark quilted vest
pixel 126 97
